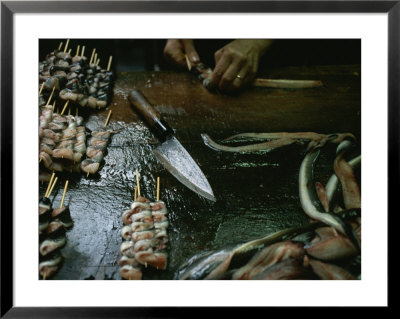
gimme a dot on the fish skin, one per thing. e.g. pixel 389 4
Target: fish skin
pixel 350 189
pixel 140 215
pixel 126 216
pixel 147 234
pixel 46 271
pixel 332 186
pixel 203 265
pixel 321 192
pixel 50 245
pixel 45 157
pixel 288 269
pixel 127 249
pixel 278 135
pixel 130 272
pixel 331 247
pixel 221 268
pixel 137 206
pixel 157 260
pixel 128 261
pixel 325 232
pixel 266 146
pixel 89 166
pixel 269 256
pixel 159 206
pixel 327 271
pixel 126 232
pixel 57 212
pixel 141 226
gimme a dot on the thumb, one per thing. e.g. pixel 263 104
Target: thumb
pixel 190 50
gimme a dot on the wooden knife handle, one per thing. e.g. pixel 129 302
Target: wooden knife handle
pixel 161 128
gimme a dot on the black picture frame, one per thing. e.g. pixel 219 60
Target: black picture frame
pixel 9 8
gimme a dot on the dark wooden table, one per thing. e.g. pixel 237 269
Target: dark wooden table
pixel 256 193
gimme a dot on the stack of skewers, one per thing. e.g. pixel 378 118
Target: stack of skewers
pixel 76 78
pixel 63 145
pixel 53 223
pixel 62 141
pixel 95 151
pixel 144 236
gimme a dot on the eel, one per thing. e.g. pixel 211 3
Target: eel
pixel 310 202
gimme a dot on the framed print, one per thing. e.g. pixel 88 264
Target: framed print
pixel 213 141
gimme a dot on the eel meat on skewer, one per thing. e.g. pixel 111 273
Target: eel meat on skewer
pixel 144 237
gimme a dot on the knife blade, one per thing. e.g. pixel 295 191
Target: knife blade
pixel 171 154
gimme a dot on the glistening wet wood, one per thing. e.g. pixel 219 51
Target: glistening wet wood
pixel 256 193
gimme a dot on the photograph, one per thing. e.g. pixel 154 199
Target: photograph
pixel 199 159
pixel 206 152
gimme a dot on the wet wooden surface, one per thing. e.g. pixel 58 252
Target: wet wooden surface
pixel 256 193
pixel 192 109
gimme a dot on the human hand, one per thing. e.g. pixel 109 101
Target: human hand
pixel 236 64
pixel 175 50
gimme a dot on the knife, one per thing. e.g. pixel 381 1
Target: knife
pixel 172 155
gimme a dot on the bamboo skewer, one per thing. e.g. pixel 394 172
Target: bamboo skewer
pixel 49 186
pixel 60 46
pixel 41 88
pixel 108 117
pixel 91 57
pixel 69 51
pixel 51 95
pixel 66 46
pixel 158 189
pixel 135 193
pixel 95 58
pixel 54 105
pixel 65 106
pixel 76 112
pixel 109 63
pixel 83 50
pixel 137 182
pixel 65 191
pixel 189 65
pixel 52 187
pixel 77 50
pixel 97 62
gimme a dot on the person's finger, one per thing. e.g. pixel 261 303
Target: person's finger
pixel 190 50
pixel 236 76
pixel 230 76
pixel 218 55
pixel 219 70
pixel 241 79
pixel 179 58
pixel 248 72
pixel 173 52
